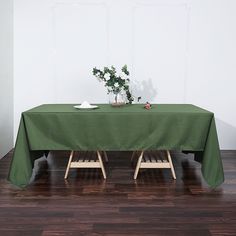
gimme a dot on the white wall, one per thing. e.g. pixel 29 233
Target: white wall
pixel 212 64
pixel 178 51
pixel 6 77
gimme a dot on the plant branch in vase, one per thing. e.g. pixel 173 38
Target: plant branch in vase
pixel 117 83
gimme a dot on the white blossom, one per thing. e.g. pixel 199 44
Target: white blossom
pixel 107 76
pixel 116 85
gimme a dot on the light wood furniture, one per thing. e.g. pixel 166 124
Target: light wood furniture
pixel 87 160
pixel 153 159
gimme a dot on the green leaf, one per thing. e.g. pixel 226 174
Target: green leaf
pixel 109 84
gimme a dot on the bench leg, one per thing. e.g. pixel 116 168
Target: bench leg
pixel 101 164
pixel 171 164
pixel 68 165
pixel 138 165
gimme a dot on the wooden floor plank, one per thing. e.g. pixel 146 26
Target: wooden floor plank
pixel 86 204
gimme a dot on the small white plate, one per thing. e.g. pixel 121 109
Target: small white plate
pixel 85 107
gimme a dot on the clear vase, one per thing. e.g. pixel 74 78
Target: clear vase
pixel 117 99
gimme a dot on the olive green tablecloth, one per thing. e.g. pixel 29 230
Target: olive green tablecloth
pixel 131 127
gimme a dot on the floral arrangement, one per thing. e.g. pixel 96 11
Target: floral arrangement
pixel 114 81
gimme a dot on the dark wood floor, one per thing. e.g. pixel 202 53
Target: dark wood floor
pixel 85 204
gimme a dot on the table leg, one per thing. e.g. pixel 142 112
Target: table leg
pixel 105 155
pixel 133 155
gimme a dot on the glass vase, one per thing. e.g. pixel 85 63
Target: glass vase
pixel 117 99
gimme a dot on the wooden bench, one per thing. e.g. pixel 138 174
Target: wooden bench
pixel 86 159
pixel 153 159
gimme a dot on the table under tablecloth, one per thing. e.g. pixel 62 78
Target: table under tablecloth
pixel 182 127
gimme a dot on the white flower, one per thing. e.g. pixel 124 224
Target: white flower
pixel 107 76
pixel 116 85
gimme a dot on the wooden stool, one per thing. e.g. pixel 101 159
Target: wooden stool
pixel 153 161
pixel 88 160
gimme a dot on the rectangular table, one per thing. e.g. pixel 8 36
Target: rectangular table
pixel 182 127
